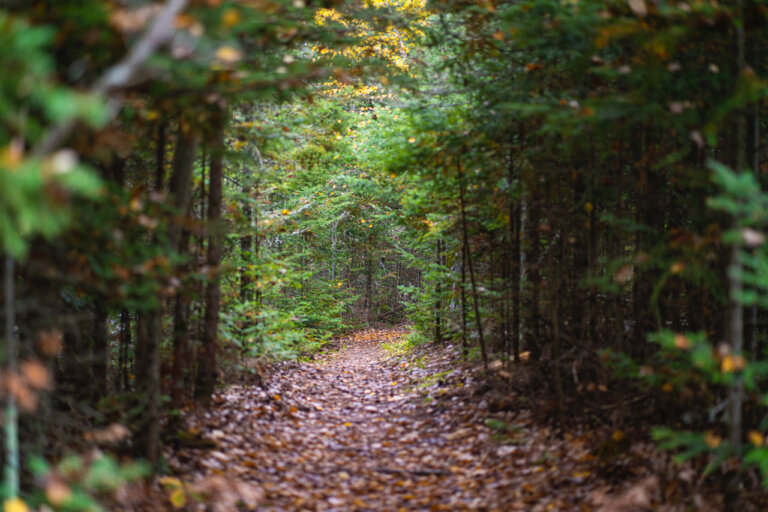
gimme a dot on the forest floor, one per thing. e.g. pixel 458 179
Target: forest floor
pixel 372 428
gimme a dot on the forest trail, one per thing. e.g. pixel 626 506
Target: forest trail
pixel 365 430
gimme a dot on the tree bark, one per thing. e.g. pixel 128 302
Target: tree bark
pixel 246 248
pixel 160 157
pixel 149 322
pixel 181 339
pixel 207 353
pixel 125 343
pixel 534 337
pixel 516 265
pixel 464 341
pixel 465 237
pixel 99 384
pixel 438 293
pixel 732 499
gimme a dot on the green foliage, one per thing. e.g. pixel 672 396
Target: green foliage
pixel 75 484
pixel 690 362
pixel 35 192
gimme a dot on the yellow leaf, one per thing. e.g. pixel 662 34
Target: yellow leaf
pixel 756 438
pixel 588 207
pixel 231 18
pixel 732 364
pixel 228 54
pixel 15 505
pixel 177 498
pixel 677 267
pixel 618 435
pixel 713 440
pixel 169 481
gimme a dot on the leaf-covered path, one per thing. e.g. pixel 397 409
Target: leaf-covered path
pixel 363 429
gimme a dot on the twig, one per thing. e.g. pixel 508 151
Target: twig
pixel 415 472
pixel 123 73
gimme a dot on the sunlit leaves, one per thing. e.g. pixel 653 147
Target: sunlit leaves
pixel 15 505
pixel 228 54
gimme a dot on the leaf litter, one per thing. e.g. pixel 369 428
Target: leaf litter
pixel 362 429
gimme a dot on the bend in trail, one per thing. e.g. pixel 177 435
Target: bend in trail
pixel 364 430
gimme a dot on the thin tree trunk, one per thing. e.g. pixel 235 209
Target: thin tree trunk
pixel 98 354
pixel 125 343
pixel 464 341
pixel 478 319
pixel 208 348
pixel 180 336
pixel 534 341
pixel 149 322
pixel 369 279
pixel 438 293
pixel 246 248
pixel 160 157
pixel 516 265
pixel 555 273
pixel 732 500
pixel 148 384
pixel 753 156
pixel 11 367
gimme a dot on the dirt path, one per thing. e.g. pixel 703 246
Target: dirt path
pixel 364 430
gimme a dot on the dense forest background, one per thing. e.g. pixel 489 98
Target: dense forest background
pixel 572 189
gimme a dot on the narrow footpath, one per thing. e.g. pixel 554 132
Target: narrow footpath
pixel 365 429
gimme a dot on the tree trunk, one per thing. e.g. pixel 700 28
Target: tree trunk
pixel 160 157
pixel 149 322
pixel 181 339
pixel 465 237
pixel 732 499
pixel 125 343
pixel 148 383
pixel 99 384
pixel 516 267
pixel 534 337
pixel 438 293
pixel 206 368
pixel 555 275
pixel 464 341
pixel 246 248
pixel 369 279
pixel 11 366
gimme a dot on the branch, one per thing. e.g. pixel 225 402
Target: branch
pixel 123 73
